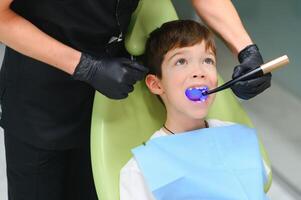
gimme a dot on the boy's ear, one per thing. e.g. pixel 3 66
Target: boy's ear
pixel 154 84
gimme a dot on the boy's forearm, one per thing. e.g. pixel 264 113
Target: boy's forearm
pixel 19 34
pixel 222 17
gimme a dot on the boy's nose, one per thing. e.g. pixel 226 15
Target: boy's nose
pixel 198 71
pixel 198 76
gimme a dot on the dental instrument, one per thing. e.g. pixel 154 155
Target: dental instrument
pixel 201 94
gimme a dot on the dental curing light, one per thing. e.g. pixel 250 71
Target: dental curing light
pixel 201 94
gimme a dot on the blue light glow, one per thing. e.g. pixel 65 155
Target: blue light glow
pixel 196 94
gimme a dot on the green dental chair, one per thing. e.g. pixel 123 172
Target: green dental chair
pixel 120 125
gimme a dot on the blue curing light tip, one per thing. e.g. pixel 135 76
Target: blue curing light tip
pixel 196 94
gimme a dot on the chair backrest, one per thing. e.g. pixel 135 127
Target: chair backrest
pixel 118 126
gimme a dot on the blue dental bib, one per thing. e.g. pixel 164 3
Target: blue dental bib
pixel 219 163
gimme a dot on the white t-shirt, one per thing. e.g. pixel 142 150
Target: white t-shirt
pixel 132 184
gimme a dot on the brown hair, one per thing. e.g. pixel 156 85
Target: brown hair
pixel 171 35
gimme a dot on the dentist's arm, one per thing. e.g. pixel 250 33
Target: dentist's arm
pixel 22 36
pixel 222 17
pixel 110 76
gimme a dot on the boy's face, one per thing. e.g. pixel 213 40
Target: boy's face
pixel 183 68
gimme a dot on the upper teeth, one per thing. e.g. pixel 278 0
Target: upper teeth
pixel 199 88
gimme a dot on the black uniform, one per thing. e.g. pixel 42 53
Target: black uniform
pixel 45 113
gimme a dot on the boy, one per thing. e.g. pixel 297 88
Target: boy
pixel 181 55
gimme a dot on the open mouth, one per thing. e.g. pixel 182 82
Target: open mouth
pixel 197 93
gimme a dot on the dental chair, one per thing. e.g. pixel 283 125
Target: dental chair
pixel 120 125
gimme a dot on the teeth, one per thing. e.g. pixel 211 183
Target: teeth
pixel 199 88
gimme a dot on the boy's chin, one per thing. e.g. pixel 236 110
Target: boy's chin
pixel 199 115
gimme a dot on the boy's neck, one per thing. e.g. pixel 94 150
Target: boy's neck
pixel 182 125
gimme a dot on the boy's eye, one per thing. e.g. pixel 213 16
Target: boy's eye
pixel 181 61
pixel 209 61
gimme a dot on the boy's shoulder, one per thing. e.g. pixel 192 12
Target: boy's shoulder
pixel 131 165
pixel 219 123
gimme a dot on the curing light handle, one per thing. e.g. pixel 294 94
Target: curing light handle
pixel 257 72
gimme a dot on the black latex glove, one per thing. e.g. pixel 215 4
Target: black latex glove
pixel 113 77
pixel 250 58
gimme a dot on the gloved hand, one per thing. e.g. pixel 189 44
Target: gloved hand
pixel 250 58
pixel 113 77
